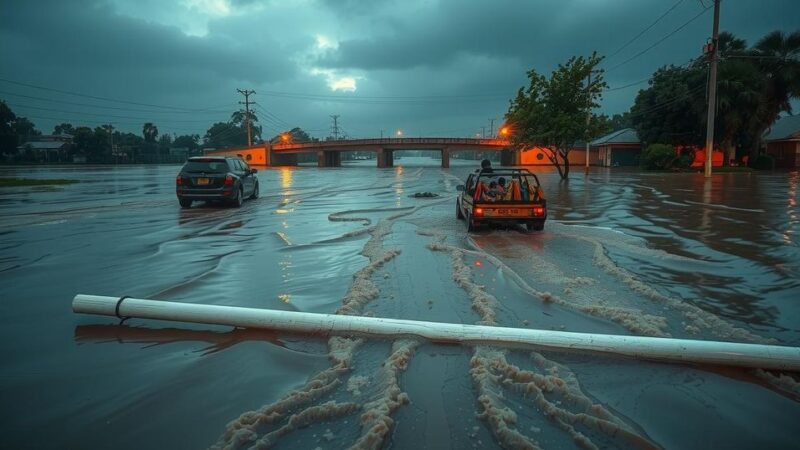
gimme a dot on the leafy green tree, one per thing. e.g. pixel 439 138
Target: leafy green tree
pixel 238 119
pixel 294 135
pixel 551 113
pixel 190 141
pixel 25 129
pixel 64 128
pixel 670 110
pixel 224 134
pixel 755 85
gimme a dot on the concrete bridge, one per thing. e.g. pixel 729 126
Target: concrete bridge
pixel 329 153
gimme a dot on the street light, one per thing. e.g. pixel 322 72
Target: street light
pixel 285 137
pixel 399 133
pixel 504 131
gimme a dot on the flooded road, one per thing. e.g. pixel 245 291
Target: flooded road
pixel 622 253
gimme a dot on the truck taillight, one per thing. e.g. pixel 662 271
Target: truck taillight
pixel 538 210
pixel 228 180
pixel 178 180
pixel 478 212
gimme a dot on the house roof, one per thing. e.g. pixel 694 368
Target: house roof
pixel 785 128
pixel 623 136
pixel 48 145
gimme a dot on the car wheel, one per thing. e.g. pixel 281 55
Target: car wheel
pixel 239 199
pixel 536 226
pixel 255 192
pixel 185 202
pixel 459 214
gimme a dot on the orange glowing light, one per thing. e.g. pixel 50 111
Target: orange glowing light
pixel 478 264
pixel 285 137
pixel 504 131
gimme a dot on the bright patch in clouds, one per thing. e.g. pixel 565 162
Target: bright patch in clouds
pixel 219 8
pixel 325 43
pixel 337 82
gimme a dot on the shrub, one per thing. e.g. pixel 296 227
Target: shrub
pixel 764 162
pixel 659 157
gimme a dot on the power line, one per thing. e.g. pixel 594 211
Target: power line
pixel 658 41
pixel 146 119
pixel 31 97
pixel 107 99
pixel 645 30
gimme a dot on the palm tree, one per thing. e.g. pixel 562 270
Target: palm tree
pixel 777 55
pixel 150 132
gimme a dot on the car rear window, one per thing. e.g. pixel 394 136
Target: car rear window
pixel 213 166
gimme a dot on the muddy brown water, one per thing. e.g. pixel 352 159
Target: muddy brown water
pixel 622 253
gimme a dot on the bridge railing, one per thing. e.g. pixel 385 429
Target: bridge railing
pixel 393 141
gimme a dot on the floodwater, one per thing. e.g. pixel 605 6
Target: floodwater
pixel 622 253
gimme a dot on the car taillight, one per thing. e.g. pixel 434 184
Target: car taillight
pixel 228 180
pixel 538 211
pixel 178 180
pixel 478 212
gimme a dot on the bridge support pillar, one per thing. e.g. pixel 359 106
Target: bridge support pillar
pixel 278 159
pixel 510 157
pixel 385 158
pixel 446 158
pixel 329 159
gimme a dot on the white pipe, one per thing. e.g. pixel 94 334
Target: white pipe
pixel 661 349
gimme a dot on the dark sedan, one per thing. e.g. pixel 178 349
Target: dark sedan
pixel 216 178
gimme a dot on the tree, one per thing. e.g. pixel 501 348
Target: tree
pixel 25 129
pixel 296 134
pixel 755 85
pixel 190 141
pixel 778 62
pixel 64 128
pixel 551 113
pixel 149 132
pixel 8 138
pixel 671 110
pixel 224 134
pixel 238 119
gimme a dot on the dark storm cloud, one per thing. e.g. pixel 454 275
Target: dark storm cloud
pixel 91 36
pixel 193 55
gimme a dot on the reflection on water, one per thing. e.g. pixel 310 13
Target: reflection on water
pixel 623 252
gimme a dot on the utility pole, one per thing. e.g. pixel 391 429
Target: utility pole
pixel 483 132
pixel 712 91
pixel 588 114
pixel 335 127
pixel 381 134
pixel 246 103
pixel 491 128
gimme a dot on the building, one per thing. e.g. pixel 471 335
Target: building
pixel 783 142
pixel 619 148
pixel 49 148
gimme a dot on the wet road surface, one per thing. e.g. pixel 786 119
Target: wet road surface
pixel 622 253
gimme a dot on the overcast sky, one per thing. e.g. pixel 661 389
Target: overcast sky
pixel 428 67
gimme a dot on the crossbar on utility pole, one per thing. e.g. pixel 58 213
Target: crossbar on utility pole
pixel 246 103
pixel 712 92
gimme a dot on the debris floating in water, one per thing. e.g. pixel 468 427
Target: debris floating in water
pixel 424 195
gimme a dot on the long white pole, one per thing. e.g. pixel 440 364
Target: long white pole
pixel 660 349
pixel 712 92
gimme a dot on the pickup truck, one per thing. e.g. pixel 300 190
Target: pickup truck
pixel 521 201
